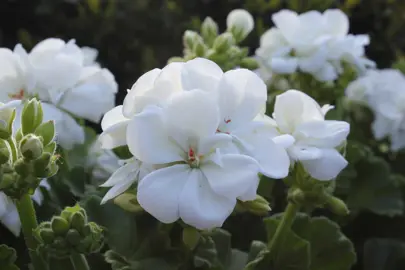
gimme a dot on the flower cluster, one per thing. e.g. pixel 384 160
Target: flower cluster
pixel 65 77
pixel 383 91
pixel 199 139
pixel 312 42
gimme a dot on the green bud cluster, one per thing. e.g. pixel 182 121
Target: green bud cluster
pixel 312 193
pixel 70 233
pixel 8 257
pixel 223 48
pixel 29 155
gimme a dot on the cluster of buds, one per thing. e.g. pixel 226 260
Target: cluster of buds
pixel 27 155
pixel 312 193
pixel 8 257
pixel 70 233
pixel 222 48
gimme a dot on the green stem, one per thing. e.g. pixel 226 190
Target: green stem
pixel 29 222
pixel 79 261
pixel 285 224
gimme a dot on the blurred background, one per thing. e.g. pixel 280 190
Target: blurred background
pixel 134 36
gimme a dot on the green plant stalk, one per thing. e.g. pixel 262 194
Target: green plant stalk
pixel 79 261
pixel 285 224
pixel 13 147
pixel 29 222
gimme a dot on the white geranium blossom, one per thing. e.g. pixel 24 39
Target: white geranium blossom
pixel 67 80
pixel 316 139
pixel 199 140
pixel 202 185
pixel 8 210
pixel 312 42
pixel 384 92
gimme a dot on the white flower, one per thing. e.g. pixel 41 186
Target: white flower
pixel 312 42
pixel 63 76
pixel 202 185
pixel 240 22
pixel 8 211
pixel 384 92
pixel 297 114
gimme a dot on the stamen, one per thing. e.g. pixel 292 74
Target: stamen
pixel 227 121
pixel 19 95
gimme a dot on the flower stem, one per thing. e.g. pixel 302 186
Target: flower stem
pixel 285 224
pixel 79 261
pixel 13 147
pixel 29 222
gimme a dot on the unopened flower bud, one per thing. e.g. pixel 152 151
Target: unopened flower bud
pixel 4 131
pixel 175 59
pixel 18 135
pixel 7 116
pixel 191 237
pixel 200 49
pixel 47 235
pixel 5 152
pixel 223 42
pixel 249 63
pixel 22 167
pixel 78 221
pixel 190 38
pixel 31 116
pixel 59 225
pixel 46 131
pixel 6 181
pixel 259 206
pixel 73 237
pixel 336 205
pixel 31 147
pixel 240 23
pixel 41 164
pixel 128 202
pixel 209 30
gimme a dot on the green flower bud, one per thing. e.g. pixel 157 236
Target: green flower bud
pixel 31 116
pixel 31 147
pixel 7 181
pixel 47 235
pixel 46 131
pixel 73 237
pixel 190 38
pixel 191 237
pixel 50 148
pixel 78 221
pixel 249 63
pixel 223 42
pixel 209 30
pixel 336 205
pixel 4 132
pixel 5 152
pixel 41 164
pixel 128 202
pixel 18 135
pixel 59 225
pixel 22 167
pixel 240 23
pixel 7 116
pixel 259 206
pixel 200 49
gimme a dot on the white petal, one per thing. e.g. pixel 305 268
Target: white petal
pixel 242 94
pixel 195 113
pixel 114 136
pixel 337 21
pixel 116 190
pixel 315 61
pixel 284 65
pixel 241 20
pixel 327 166
pixel 297 152
pixel 326 73
pixel 200 73
pixel 148 139
pixel 38 197
pixel 287 21
pixel 200 206
pixel 294 107
pixel 236 175
pixel 127 173
pixel 141 86
pixel 159 192
pixel 329 134
pixel 284 140
pixel 113 117
pixel 11 219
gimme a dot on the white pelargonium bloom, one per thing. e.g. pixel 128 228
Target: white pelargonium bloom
pixel 200 184
pixel 316 139
pixel 312 42
pixel 384 92
pixel 65 78
pixel 8 211
pixel 240 22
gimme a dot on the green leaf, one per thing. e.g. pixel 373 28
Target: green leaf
pixel 375 189
pixel 330 248
pixel 222 240
pixel 8 257
pixel 120 225
pixel 237 260
pixel 293 254
pixel 382 254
